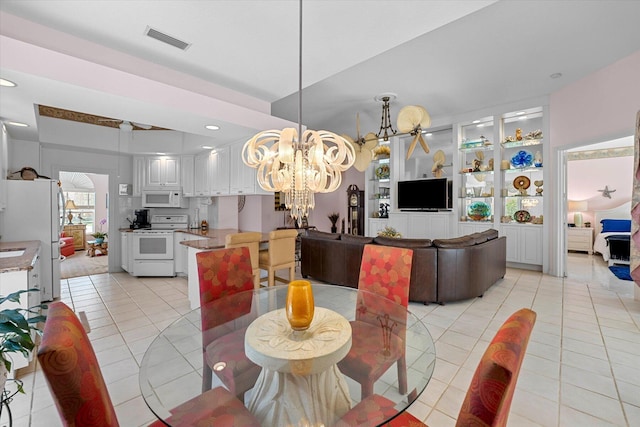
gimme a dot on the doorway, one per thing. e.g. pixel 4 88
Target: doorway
pixel 86 217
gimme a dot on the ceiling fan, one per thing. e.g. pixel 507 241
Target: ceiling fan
pixel 126 125
pixel 363 147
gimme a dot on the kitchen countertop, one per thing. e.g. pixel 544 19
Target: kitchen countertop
pixel 214 238
pixel 22 262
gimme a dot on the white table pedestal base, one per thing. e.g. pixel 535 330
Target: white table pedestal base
pixel 285 399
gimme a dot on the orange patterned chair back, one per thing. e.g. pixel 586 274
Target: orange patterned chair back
pixel 222 273
pixel 488 399
pixel 386 271
pixel 72 371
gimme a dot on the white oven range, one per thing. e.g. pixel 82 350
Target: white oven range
pixel 152 249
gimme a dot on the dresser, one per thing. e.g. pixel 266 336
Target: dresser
pixel 77 231
pixel 580 239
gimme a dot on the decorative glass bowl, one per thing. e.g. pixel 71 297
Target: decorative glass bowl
pixel 479 211
pixel 522 159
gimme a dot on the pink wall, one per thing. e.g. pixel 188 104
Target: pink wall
pixel 599 107
pixel 586 177
pixel 335 202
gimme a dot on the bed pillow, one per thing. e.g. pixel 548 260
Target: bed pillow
pixel 616 225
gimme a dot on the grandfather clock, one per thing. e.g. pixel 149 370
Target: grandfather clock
pixel 355 211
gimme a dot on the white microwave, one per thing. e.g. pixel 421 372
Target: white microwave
pixel 163 198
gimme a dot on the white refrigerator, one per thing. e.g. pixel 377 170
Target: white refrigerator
pixel 35 211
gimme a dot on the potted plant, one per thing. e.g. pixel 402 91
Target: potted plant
pixel 99 236
pixel 389 232
pixel 333 217
pixel 15 331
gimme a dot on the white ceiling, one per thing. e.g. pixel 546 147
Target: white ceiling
pixel 452 57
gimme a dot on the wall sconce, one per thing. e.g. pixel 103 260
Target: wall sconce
pixel 577 207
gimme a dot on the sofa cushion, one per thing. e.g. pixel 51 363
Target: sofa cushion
pixel 478 238
pixel 322 235
pixel 402 243
pixel 490 234
pixel 356 239
pixel 456 242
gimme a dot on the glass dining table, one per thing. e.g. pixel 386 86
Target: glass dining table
pixel 300 382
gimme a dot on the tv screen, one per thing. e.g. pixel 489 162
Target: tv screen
pixel 424 194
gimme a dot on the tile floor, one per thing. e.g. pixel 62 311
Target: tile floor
pixel 581 368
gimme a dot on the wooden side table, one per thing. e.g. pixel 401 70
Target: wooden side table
pixel 580 239
pixel 94 246
pixel 78 232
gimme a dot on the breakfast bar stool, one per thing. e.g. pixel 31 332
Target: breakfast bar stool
pixel 281 254
pixel 250 239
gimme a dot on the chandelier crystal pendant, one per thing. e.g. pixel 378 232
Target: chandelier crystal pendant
pixel 299 164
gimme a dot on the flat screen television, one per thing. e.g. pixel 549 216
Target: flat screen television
pixel 424 194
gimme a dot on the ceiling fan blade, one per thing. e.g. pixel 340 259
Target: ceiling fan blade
pixel 363 159
pixel 412 146
pixel 141 125
pixel 370 141
pixel 425 147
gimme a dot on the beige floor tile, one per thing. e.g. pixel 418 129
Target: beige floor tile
pixel 594 404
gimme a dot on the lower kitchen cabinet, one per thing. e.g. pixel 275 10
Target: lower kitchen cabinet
pixel 126 255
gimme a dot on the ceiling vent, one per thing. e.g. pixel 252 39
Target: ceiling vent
pixel 165 38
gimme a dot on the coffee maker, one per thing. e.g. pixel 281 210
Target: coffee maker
pixel 141 219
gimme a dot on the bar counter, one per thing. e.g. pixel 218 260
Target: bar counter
pixel 213 238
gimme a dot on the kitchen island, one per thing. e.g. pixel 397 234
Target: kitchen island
pixel 197 240
pixel 20 270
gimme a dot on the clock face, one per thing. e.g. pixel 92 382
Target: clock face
pixel 353 200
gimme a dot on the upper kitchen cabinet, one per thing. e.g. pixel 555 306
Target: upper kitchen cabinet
pixel 163 171
pixel 219 167
pixel 188 175
pixel 242 177
pixel 201 175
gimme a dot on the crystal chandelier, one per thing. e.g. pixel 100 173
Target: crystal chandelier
pixel 299 164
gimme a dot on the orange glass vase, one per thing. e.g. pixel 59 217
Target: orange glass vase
pixel 299 305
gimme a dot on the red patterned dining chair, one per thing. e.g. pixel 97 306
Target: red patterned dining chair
pixel 74 377
pixel 223 273
pixel 490 393
pixel 378 332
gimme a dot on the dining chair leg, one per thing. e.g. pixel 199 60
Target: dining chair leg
pixel 402 375
pixel 366 390
pixel 206 374
pixel 272 277
pixel 292 273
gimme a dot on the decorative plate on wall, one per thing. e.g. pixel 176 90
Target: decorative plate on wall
pixel 521 182
pixel 522 216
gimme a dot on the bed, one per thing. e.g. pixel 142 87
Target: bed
pixel 602 245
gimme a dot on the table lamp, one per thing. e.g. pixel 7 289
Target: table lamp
pixel 68 206
pixel 577 207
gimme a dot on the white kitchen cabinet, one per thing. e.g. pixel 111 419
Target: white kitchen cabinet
pixel 201 185
pixel 180 252
pixel 187 168
pixel 242 178
pixel 139 173
pixel 17 280
pixel 163 171
pixel 125 251
pixel 219 167
pixel 524 243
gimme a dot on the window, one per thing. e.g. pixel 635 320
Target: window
pixel 85 213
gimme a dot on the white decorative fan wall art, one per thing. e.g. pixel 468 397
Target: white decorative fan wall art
pixel 412 119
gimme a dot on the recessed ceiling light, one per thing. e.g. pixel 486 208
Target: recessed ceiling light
pixel 22 125
pixel 7 83
pixel 475 121
pixel 206 147
pixel 481 125
pixel 522 118
pixel 428 134
pixel 519 113
pixel 212 127
pixel 161 154
pixel 555 75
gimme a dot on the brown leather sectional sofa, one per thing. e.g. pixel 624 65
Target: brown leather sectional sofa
pixel 443 270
